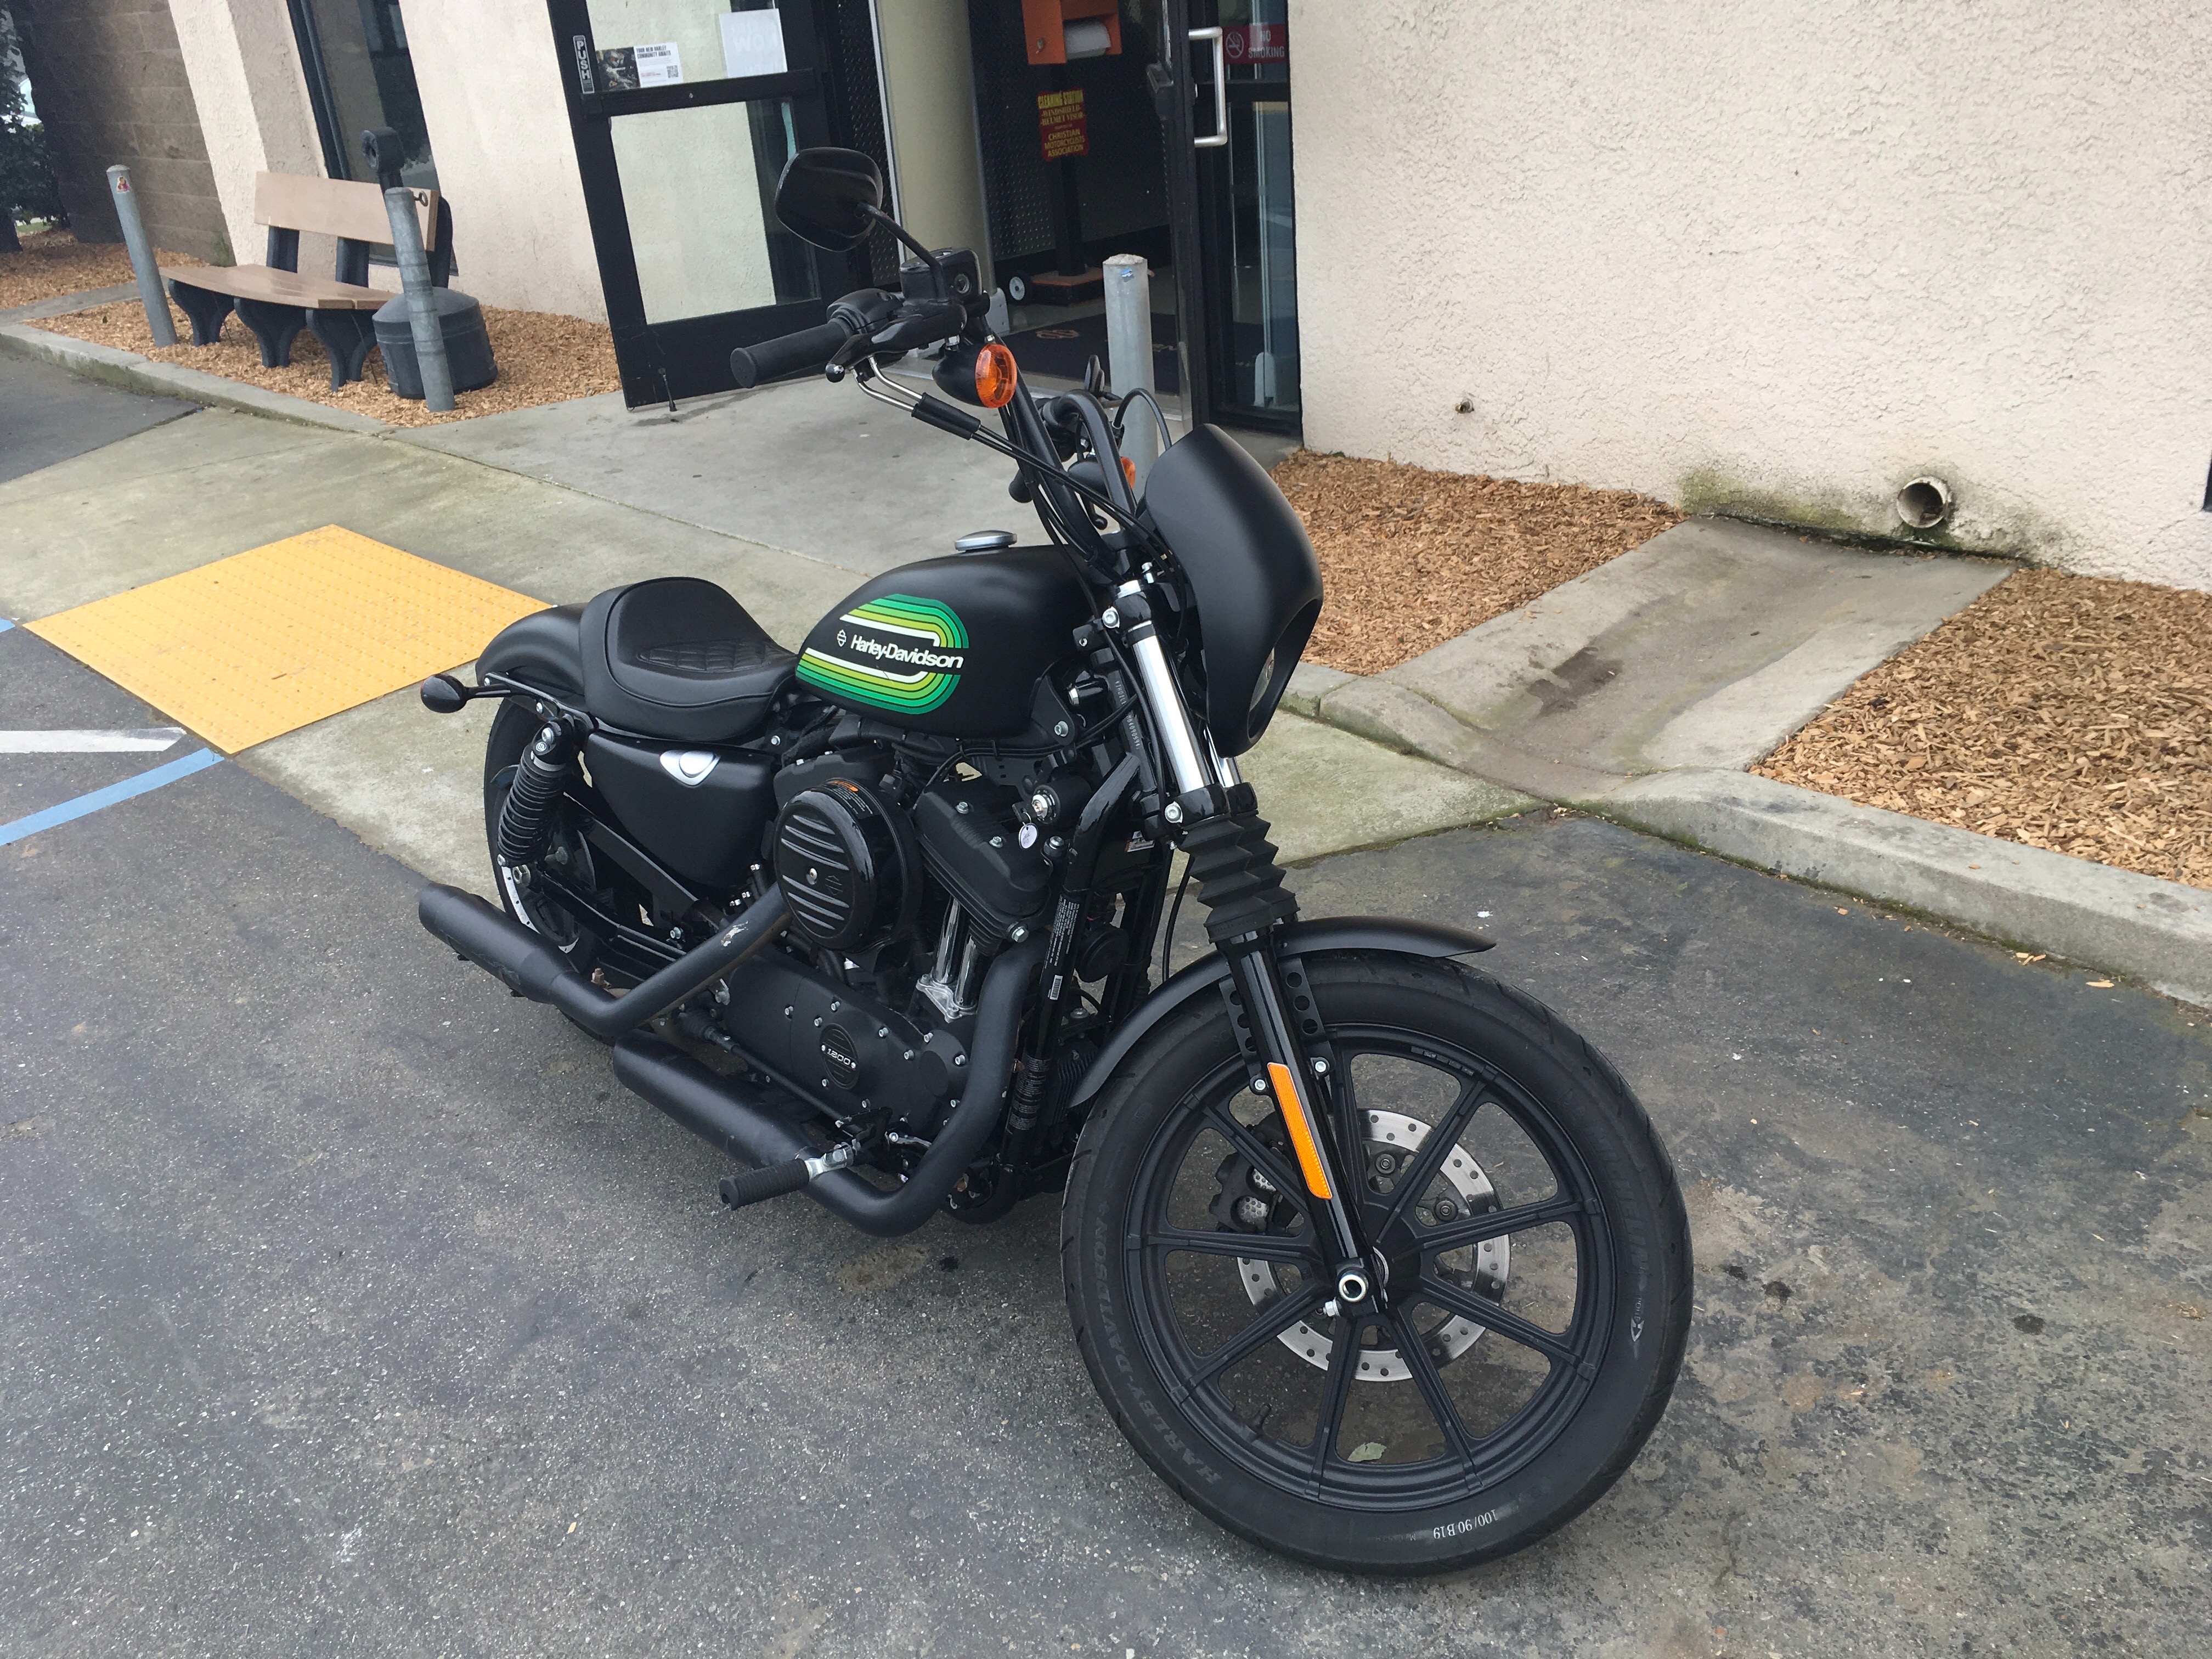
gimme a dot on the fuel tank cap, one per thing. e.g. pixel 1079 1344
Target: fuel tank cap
pixel 984 541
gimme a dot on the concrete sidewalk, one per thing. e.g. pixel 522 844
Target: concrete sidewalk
pixel 182 494
pixel 808 467
pixel 1707 645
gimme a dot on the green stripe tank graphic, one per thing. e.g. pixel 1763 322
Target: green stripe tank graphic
pixel 905 655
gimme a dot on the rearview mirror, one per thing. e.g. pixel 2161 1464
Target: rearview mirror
pixel 829 197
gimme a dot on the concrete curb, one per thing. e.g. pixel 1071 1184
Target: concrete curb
pixel 136 374
pixel 66 305
pixel 2157 932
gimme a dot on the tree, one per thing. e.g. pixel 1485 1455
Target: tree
pixel 27 186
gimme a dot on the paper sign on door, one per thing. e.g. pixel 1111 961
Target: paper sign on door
pixel 752 43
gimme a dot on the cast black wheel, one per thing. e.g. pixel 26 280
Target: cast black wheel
pixel 1525 1226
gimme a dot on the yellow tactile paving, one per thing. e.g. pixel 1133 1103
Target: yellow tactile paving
pixel 263 642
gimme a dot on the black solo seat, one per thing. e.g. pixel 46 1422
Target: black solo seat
pixel 679 657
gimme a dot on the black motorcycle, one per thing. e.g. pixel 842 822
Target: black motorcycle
pixel 1374 1259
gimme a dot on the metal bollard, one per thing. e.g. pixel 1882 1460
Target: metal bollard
pixel 142 256
pixel 422 299
pixel 1129 351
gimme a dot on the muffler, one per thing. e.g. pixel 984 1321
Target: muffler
pixel 531 968
pixel 736 1117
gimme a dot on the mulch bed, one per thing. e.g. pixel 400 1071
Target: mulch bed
pixel 543 358
pixel 1411 558
pixel 54 263
pixel 2069 713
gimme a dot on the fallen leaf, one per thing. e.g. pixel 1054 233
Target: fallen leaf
pixel 1367 1452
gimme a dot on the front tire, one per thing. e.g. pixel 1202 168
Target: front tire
pixel 1518 1364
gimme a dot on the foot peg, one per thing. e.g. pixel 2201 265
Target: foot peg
pixel 756 1186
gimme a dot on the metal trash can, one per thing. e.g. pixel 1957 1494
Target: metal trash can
pixel 468 344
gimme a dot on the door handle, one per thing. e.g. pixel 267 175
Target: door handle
pixel 1220 135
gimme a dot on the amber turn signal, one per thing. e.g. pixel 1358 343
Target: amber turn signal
pixel 1300 1124
pixel 984 375
pixel 995 376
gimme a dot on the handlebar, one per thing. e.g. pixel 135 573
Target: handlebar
pixel 894 329
pixel 810 348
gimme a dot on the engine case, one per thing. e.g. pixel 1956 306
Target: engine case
pixel 839 1045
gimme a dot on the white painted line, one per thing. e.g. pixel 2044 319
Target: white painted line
pixel 156 738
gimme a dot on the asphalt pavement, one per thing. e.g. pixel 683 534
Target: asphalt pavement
pixel 49 415
pixel 351 1307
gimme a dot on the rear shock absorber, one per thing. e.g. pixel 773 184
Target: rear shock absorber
pixel 525 822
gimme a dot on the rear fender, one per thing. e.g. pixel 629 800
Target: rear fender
pixel 1296 939
pixel 543 649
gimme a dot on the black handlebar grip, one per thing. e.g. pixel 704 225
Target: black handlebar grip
pixel 752 1186
pixel 810 348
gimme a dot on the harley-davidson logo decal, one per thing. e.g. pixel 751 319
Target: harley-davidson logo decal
pixel 904 654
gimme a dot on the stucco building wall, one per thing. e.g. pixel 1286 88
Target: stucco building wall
pixel 492 98
pixel 253 97
pixel 1774 257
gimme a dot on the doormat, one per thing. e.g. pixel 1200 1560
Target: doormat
pixel 1061 348
pixel 266 642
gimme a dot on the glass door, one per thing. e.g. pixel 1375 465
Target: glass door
pixel 1231 207
pixel 684 112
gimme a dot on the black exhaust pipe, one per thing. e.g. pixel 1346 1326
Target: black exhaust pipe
pixel 531 968
pixel 733 1116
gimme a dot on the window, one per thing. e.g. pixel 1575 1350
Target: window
pixel 359 77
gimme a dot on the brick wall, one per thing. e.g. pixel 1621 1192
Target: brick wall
pixel 110 86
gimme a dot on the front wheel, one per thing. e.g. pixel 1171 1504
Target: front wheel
pixel 1527 1229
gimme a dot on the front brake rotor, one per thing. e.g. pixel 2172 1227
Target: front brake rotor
pixel 1249 1202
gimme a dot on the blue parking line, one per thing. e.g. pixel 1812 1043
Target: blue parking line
pixel 169 772
pixel 5 624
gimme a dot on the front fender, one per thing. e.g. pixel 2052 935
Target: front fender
pixel 1296 939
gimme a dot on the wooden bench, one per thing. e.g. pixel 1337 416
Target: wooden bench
pixel 276 302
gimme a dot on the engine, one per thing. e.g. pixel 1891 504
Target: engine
pixel 851 862
pixel 847 865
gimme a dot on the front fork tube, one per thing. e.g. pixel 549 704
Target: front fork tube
pixel 1296 1080
pixel 1301 1085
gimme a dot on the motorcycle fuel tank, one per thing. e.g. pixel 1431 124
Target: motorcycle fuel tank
pixel 952 646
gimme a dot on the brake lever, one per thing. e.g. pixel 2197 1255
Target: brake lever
pixel 906 332
pixel 857 348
